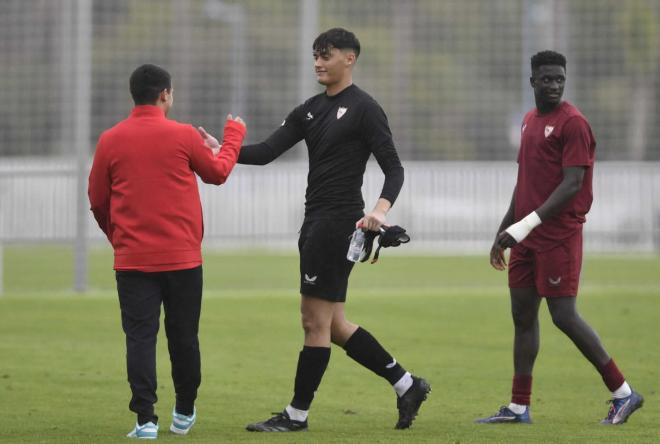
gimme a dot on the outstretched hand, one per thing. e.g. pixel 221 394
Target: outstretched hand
pixel 236 119
pixel 210 141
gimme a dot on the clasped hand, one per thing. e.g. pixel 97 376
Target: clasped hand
pixel 210 141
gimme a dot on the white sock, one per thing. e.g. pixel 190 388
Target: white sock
pixel 403 384
pixel 622 392
pixel 518 409
pixel 296 414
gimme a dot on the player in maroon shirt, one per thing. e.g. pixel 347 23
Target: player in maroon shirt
pixel 543 228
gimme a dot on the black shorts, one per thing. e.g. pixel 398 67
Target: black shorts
pixel 324 269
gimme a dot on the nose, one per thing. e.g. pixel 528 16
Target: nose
pixel 553 85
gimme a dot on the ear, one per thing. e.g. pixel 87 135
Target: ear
pixel 350 58
pixel 532 82
pixel 162 97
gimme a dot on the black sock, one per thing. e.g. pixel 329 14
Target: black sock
pixel 312 363
pixel 366 350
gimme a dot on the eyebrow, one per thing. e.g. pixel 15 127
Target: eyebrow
pixel 555 76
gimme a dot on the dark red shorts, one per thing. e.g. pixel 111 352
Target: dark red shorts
pixel 555 272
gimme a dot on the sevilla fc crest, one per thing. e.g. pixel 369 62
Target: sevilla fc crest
pixel 341 111
pixel 548 130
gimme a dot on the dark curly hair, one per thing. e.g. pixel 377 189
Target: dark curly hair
pixel 548 58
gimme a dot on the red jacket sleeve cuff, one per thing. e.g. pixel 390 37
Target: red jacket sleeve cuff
pixel 233 125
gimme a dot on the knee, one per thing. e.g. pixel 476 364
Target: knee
pixel 183 342
pixel 523 320
pixel 564 316
pixel 340 332
pixel 562 319
pixel 313 325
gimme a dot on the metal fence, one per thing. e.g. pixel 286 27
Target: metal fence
pixel 448 207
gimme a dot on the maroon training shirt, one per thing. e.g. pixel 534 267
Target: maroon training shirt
pixel 548 143
pixel 143 190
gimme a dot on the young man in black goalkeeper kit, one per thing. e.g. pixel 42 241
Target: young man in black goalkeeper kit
pixel 342 127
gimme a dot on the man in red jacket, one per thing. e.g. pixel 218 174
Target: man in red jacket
pixel 143 193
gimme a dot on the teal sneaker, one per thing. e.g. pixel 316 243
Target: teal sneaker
pixel 181 424
pixel 144 431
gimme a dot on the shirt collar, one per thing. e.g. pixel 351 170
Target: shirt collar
pixel 147 111
pixel 556 109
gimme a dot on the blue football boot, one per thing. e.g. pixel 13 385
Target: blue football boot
pixel 506 416
pixel 622 408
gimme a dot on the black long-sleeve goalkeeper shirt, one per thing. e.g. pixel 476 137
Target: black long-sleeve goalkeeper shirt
pixel 341 132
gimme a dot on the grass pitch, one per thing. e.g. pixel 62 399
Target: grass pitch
pixel 63 377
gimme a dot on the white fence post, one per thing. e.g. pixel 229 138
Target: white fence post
pixel 83 75
pixel 2 269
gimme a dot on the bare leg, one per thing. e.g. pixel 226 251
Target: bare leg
pixel 341 329
pixel 567 319
pixel 316 316
pixel 524 311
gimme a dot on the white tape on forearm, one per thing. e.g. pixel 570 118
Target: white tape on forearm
pixel 521 229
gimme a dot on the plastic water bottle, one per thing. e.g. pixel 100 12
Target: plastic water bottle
pixel 355 248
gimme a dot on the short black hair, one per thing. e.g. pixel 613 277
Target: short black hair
pixel 547 58
pixel 147 82
pixel 339 38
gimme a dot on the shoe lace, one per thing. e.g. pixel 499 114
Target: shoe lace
pixel 612 411
pixel 277 416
